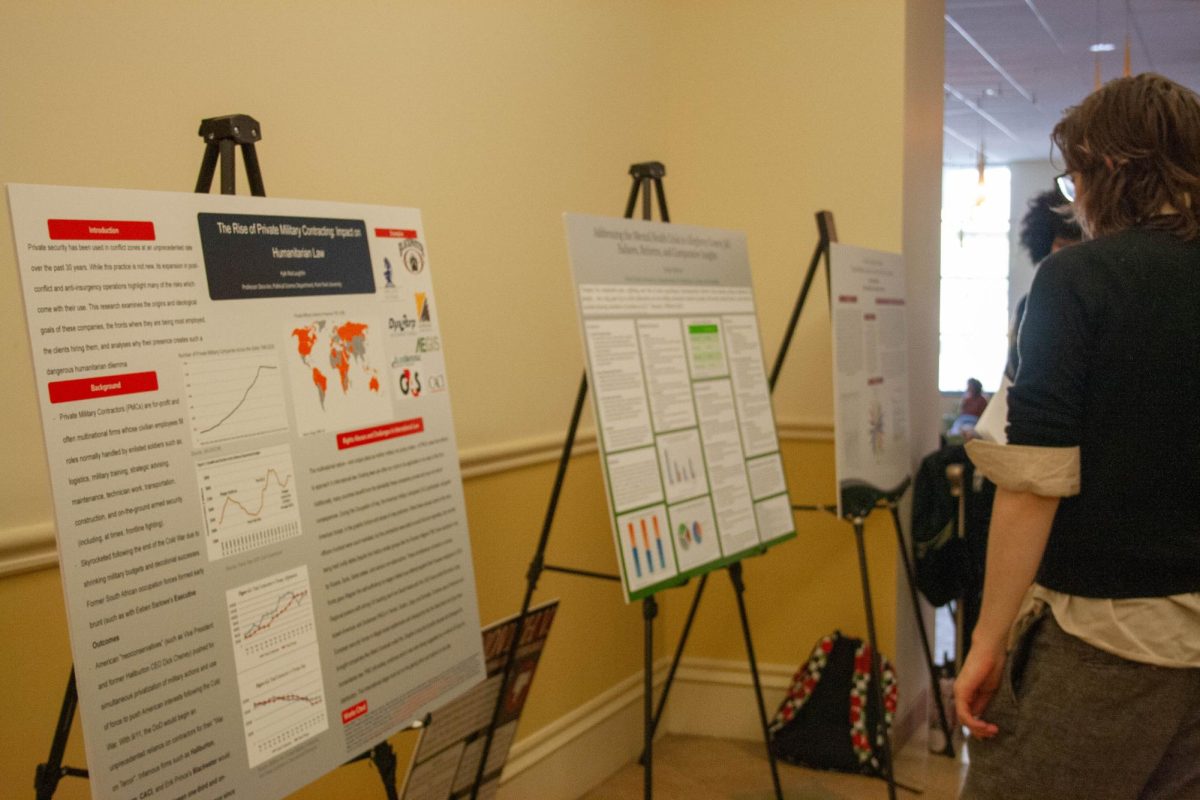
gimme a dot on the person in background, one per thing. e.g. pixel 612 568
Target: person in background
pixel 1083 678
pixel 1047 227
pixel 973 402
pixel 970 408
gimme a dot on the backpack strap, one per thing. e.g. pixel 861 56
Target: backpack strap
pixel 805 680
pixel 859 688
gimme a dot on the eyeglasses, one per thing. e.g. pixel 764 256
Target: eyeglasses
pixel 1066 186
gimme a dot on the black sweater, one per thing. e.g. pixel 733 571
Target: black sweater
pixel 1110 362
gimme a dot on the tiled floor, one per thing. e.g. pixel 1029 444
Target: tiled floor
pixel 694 768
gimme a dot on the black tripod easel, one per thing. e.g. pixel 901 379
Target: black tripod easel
pixel 827 234
pixel 857 508
pixel 647 181
pixel 222 137
pixel 857 504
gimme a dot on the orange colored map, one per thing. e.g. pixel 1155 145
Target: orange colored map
pixel 347 347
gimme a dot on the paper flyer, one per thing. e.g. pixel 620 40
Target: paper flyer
pixel 687 437
pixel 259 508
pixel 446 760
pixel 870 356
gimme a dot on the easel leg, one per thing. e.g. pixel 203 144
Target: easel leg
pixel 384 759
pixel 228 167
pixel 876 696
pixel 948 750
pixel 531 578
pixel 687 629
pixel 48 775
pixel 649 612
pixel 739 588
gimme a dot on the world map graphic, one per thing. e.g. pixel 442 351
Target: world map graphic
pixel 346 349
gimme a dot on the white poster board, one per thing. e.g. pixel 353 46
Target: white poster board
pixel 870 372
pixel 259 508
pixel 687 435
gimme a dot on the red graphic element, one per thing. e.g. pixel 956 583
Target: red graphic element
pixel 395 233
pixel 102 386
pixel 874 381
pixel 847 298
pixel 354 712
pixel 889 301
pixel 109 229
pixel 350 330
pixel 347 340
pixel 869 317
pixel 306 339
pixel 262 497
pixel 380 433
pixel 320 380
pixel 410 384
pixel 339 355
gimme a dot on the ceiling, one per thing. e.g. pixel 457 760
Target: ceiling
pixel 1014 66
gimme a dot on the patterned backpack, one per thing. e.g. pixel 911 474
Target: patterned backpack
pixel 826 718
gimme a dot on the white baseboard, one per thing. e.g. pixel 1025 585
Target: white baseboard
pixel 572 755
pixel 710 697
pixel 27 548
pixel 575 753
pixel 714 697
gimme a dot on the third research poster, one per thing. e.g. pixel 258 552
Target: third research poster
pixel 870 353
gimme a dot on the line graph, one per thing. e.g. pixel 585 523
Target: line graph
pixel 286 698
pixel 234 395
pixel 257 373
pixel 278 664
pixel 282 604
pixel 270 616
pixel 254 509
pixel 249 500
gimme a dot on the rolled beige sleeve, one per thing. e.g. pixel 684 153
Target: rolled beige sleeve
pixel 1045 471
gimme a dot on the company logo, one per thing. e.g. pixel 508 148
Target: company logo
pixel 412 254
pixel 424 310
pixel 435 383
pixel 387 274
pixel 410 383
pixel 428 344
pixel 405 361
pixel 402 325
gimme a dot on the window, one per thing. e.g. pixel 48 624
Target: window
pixel 974 298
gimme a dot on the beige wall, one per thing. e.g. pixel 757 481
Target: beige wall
pixel 494 118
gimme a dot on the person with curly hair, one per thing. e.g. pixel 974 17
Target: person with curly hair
pixel 1083 678
pixel 1046 228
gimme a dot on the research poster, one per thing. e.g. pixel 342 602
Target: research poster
pixel 259 508
pixel 687 436
pixel 870 356
pixel 446 760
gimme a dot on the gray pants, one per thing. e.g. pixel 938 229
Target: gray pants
pixel 1078 723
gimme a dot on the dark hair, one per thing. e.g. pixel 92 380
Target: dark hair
pixel 973 383
pixel 1048 219
pixel 1135 144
